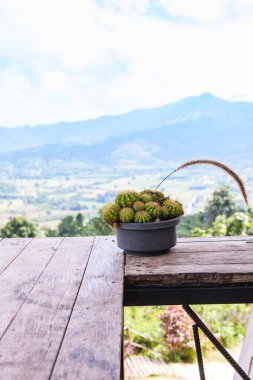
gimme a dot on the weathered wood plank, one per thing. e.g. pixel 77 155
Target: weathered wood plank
pixel 17 281
pixel 246 355
pixel 192 258
pixel 10 249
pixel 194 262
pixel 29 347
pixel 92 344
pixel 215 238
pixel 214 246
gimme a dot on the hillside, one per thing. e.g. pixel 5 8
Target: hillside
pixel 203 126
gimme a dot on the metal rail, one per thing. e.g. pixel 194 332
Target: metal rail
pixel 200 324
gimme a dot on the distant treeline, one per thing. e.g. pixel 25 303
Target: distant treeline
pixel 222 216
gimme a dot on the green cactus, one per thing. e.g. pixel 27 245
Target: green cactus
pixel 110 214
pixel 174 208
pixel 146 206
pixel 126 215
pixel 156 195
pixel 144 197
pixel 139 206
pixel 142 217
pixel 153 208
pixel 164 213
pixel 126 198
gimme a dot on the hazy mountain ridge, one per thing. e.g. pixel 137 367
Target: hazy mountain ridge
pixel 203 126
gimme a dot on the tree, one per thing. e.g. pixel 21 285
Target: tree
pixel 18 227
pixel 222 203
pixel 97 227
pixel 237 224
pixel 190 222
pixel 71 226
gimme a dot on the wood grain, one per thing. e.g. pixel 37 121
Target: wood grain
pixel 17 281
pixel 30 345
pixel 194 262
pixel 215 238
pixel 10 249
pixel 91 347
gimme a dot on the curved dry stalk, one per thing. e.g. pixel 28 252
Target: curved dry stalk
pixel 220 165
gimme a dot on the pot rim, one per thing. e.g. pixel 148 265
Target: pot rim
pixel 149 225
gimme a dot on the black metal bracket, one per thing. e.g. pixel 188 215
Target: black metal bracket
pixel 144 295
pixel 200 325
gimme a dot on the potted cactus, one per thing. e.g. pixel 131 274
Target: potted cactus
pixel 145 222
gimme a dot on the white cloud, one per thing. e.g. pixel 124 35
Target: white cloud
pixel 71 60
pixel 203 11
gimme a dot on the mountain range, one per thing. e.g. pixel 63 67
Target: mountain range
pixel 204 126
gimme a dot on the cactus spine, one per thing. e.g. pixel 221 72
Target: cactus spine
pixel 138 206
pixel 153 208
pixel 174 208
pixel 110 214
pixel 142 217
pixel 126 198
pixel 144 207
pixel 144 197
pixel 126 215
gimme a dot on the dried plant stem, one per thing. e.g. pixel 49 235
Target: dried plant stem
pixel 220 165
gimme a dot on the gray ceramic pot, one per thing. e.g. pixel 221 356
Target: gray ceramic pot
pixel 152 238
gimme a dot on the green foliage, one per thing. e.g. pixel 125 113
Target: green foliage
pixel 220 218
pixel 229 321
pixel 97 227
pixel 222 203
pixel 145 321
pixel 166 332
pixel 18 227
pixel 71 226
pixel 188 223
pixel 238 224
pixel 197 231
pixel 219 226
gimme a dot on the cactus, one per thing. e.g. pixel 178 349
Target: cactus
pixel 126 215
pixel 156 195
pixel 164 213
pixel 139 206
pixel 142 217
pixel 144 197
pixel 174 208
pixel 146 206
pixel 110 214
pixel 126 198
pixel 153 208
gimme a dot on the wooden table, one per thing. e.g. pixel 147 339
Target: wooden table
pixel 61 308
pixel 62 298
pixel 196 271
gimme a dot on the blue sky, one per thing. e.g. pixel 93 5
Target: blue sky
pixel 78 59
